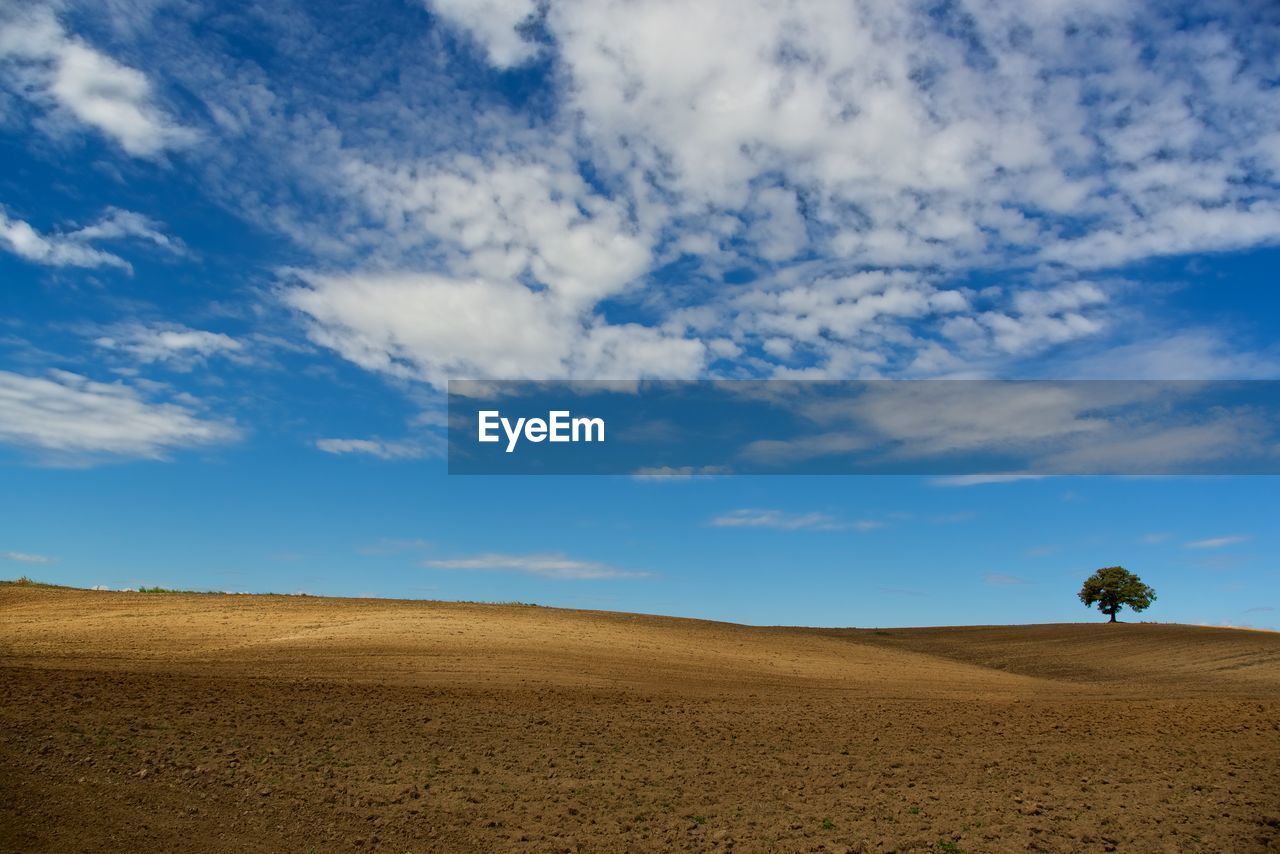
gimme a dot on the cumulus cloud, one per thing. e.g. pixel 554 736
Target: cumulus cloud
pixel 372 447
pixel 743 189
pixel 25 557
pixel 493 24
pixel 75 248
pixel 886 143
pixel 71 417
pixel 61 72
pixel 553 566
pixel 527 251
pixel 506 217
pixel 432 328
pixel 921 137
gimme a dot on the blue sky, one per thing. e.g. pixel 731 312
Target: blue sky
pixel 244 246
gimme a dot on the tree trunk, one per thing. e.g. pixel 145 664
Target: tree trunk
pixel 1113 617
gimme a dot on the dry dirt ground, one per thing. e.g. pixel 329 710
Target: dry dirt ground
pixel 161 722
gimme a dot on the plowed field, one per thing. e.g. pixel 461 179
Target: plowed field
pixel 166 722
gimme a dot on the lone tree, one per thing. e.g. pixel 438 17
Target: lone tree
pixel 1113 587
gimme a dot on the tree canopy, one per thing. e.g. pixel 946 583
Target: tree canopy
pixel 1114 587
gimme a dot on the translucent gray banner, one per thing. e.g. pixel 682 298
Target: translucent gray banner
pixel 924 427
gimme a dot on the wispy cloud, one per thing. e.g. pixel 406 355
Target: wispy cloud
pixel 670 473
pixel 379 448
pixel 78 419
pixel 785 521
pixel 1155 538
pixel 25 557
pixel 1217 542
pixel 902 591
pixel 76 247
pixel 1001 580
pixel 58 70
pixel 981 479
pixel 170 343
pixel 554 566
pixel 953 518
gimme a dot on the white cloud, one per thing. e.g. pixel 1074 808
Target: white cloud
pixel 982 134
pixel 493 24
pixel 57 70
pixel 670 474
pixel 170 343
pixel 501 218
pixel 373 447
pixel 434 328
pixel 25 242
pixel 780 232
pixel 913 133
pixel 24 557
pixel 117 224
pixel 1045 318
pixel 1217 542
pixel 73 417
pixel 790 521
pixel 1187 354
pixel 981 479
pixel 554 566
pixel 852 162
pixel 75 248
pixel 529 251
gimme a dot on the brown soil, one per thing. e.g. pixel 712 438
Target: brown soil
pixel 163 722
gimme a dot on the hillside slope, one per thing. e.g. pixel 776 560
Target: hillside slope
pixel 158 722
pixel 1142 655
pixel 451 643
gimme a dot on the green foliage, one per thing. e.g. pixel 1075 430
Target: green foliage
pixel 1114 587
pixel 828 824
pixel 24 581
pixel 946 846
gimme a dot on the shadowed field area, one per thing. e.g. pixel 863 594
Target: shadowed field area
pixel 207 722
